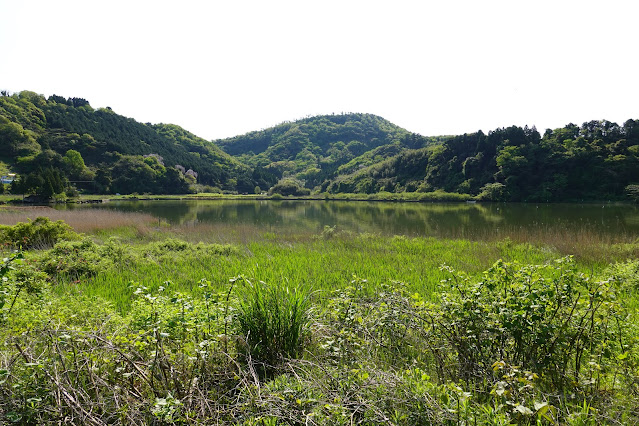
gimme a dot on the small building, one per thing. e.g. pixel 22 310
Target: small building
pixel 8 179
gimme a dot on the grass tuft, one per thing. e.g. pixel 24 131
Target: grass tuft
pixel 272 322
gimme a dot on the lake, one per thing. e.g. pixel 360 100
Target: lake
pixel 410 219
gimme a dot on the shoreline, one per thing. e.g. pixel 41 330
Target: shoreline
pixel 385 197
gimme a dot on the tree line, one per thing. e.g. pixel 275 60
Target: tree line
pixel 48 141
pixel 594 161
pixel 118 154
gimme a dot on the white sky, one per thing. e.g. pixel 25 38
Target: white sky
pixel 222 68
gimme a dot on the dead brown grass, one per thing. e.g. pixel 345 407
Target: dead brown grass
pixel 84 220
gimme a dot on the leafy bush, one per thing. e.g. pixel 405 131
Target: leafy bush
pixel 77 258
pixel 17 278
pixel 39 233
pixel 627 273
pixel 550 320
pixel 382 326
pixel 493 192
pixel 289 187
pixel 272 322
pixel 377 360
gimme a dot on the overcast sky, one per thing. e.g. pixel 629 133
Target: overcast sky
pixel 222 68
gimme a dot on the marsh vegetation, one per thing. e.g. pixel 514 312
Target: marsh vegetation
pixel 118 317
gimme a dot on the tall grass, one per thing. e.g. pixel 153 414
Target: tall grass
pixel 387 348
pixel 325 260
pixel 321 263
pixel 585 243
pixel 272 323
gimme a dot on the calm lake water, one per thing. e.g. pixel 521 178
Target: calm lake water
pixel 411 219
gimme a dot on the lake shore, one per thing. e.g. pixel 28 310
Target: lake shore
pixel 409 197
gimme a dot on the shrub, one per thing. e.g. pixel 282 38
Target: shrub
pixel 289 187
pixel 75 259
pixel 493 192
pixel 383 327
pixel 550 320
pixel 17 278
pixel 39 233
pixel 626 273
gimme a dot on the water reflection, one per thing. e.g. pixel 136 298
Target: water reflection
pixel 411 219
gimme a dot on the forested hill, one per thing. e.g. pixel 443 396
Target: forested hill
pixel 360 153
pixel 596 161
pixel 313 149
pixel 58 145
pixel 106 152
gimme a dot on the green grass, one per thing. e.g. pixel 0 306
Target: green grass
pixel 317 263
pixel 272 322
pixel 323 261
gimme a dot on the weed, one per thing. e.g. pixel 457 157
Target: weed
pixel 518 344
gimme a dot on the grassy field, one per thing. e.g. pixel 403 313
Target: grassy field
pixel 321 264
pixel 138 322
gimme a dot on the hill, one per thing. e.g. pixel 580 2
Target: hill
pixel 362 153
pixel 314 149
pixel 112 153
pixel 50 142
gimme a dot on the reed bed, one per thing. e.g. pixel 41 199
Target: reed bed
pixel 82 220
pixel 589 245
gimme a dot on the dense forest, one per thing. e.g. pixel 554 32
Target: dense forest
pixel 315 149
pixel 64 145
pixel 596 161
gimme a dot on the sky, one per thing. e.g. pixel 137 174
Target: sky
pixel 224 68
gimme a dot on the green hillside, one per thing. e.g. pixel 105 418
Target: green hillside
pixel 313 149
pixel 362 153
pixel 59 144
pixel 596 161
pixel 116 153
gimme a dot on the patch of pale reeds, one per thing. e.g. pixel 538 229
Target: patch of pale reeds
pixel 586 243
pixel 83 220
pixel 234 233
